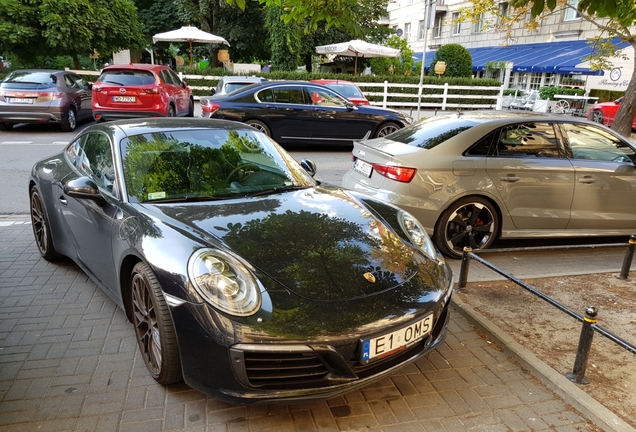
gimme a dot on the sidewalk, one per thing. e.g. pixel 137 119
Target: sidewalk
pixel 68 361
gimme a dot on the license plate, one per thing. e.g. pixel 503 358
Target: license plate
pixel 21 100
pixel 124 98
pixel 390 343
pixel 362 167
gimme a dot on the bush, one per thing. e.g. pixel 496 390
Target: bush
pixel 459 62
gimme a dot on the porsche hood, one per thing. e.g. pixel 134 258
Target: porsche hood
pixel 321 243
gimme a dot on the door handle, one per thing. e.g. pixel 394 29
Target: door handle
pixel 587 180
pixel 63 201
pixel 510 178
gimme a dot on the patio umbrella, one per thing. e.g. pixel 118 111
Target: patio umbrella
pixel 358 48
pixel 188 34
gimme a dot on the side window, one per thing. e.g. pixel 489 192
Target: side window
pixel 528 140
pixel 266 95
pixel 80 82
pixel 69 82
pixel 94 159
pixel 324 97
pixel 174 77
pixel 165 76
pixel 290 95
pixel 592 143
pixel 482 147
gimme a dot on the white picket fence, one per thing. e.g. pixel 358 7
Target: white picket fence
pixel 391 98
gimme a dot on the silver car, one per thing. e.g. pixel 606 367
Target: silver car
pixel 44 96
pixel 471 178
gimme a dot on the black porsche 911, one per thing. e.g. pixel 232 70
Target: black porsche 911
pixel 242 275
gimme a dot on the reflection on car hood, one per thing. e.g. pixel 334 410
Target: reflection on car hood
pixel 321 243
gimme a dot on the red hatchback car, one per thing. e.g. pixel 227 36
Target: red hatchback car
pixel 605 112
pixel 140 90
pixel 345 88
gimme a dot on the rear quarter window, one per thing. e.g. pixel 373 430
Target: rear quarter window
pixel 431 133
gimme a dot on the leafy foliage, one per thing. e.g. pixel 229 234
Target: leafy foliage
pixel 403 65
pixel 459 63
pixel 68 27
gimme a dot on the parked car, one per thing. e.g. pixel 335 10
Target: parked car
pixel 240 273
pixel 44 96
pixel 228 84
pixel 303 113
pixel 605 112
pixel 473 177
pixel 346 88
pixel 140 90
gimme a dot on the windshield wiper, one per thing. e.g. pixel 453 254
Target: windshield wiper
pixel 187 199
pixel 113 82
pixel 276 190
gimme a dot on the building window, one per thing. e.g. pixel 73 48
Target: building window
pixel 477 26
pixel 571 13
pixel 421 30
pixel 407 31
pixel 456 24
pixel 535 81
pixel 503 12
pixel 437 29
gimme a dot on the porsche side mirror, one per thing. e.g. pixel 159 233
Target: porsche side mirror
pixel 84 188
pixel 309 166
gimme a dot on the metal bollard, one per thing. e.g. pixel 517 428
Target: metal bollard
pixel 583 351
pixel 463 271
pixel 629 256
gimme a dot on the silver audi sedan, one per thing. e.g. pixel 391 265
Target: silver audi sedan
pixel 471 178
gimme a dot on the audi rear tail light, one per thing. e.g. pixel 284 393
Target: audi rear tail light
pixel 397 173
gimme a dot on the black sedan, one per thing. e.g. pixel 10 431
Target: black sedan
pixel 303 113
pixel 241 274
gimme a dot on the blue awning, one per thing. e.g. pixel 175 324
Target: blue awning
pixel 548 57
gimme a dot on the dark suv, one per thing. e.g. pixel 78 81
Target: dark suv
pixel 44 96
pixel 140 90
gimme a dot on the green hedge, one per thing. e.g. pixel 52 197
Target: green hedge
pixel 606 95
pixel 549 92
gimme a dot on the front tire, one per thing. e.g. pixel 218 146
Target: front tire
pixel 471 221
pixel 69 122
pixel 260 126
pixel 387 128
pixel 191 109
pixel 154 329
pixel 41 228
pixel 597 117
pixel 171 111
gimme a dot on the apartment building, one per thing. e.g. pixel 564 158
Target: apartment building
pixel 528 60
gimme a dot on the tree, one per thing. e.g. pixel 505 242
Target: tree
pixel 613 18
pixel 459 63
pixel 68 27
pixel 402 65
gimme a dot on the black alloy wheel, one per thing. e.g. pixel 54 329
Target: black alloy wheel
pixel 69 122
pixel 471 221
pixel 153 326
pixel 41 230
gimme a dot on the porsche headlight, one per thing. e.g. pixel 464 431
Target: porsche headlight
pixel 224 282
pixel 417 234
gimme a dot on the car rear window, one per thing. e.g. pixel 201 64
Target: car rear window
pixel 347 90
pixel 431 132
pixel 127 77
pixel 230 87
pixel 29 80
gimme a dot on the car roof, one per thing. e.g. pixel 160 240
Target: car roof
pixel 136 66
pixel 231 78
pixel 488 116
pixel 150 125
pixel 332 81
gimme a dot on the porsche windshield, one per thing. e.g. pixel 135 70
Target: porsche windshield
pixel 198 163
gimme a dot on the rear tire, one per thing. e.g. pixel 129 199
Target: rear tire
pixel 156 336
pixel 69 122
pixel 597 117
pixel 260 126
pixel 470 221
pixel 41 228
pixel 171 111
pixel 4 126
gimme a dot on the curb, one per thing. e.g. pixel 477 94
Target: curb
pixel 552 379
